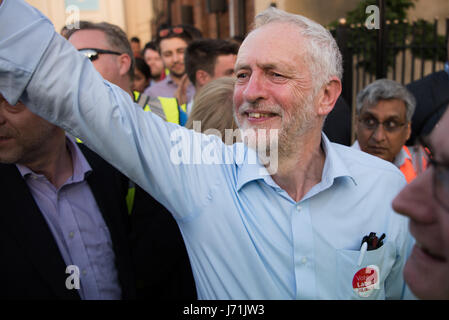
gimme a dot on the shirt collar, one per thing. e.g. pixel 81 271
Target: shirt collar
pixel 250 169
pixel 334 167
pixel 81 168
pixel 401 157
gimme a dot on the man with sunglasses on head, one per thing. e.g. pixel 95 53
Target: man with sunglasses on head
pixel 172 43
pixel 426 202
pixel 384 112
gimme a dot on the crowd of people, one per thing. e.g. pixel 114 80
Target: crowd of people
pixel 109 194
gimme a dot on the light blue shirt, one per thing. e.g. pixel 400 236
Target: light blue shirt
pixel 78 227
pixel 246 237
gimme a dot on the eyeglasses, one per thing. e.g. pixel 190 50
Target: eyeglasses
pixel 93 54
pixel 390 126
pixel 165 32
pixel 440 176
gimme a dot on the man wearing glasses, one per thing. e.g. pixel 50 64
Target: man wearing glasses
pixel 426 202
pixel 384 112
pixel 108 48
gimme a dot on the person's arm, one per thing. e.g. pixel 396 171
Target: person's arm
pixel 44 71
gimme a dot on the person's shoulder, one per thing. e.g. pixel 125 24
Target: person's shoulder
pixel 360 162
pixel 428 80
pixel 96 161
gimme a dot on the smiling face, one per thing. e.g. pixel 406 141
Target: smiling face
pixel 427 268
pixel 172 53
pixel 274 88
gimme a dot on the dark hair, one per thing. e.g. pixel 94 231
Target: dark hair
pixel 143 67
pixel 115 37
pixel 238 39
pixel 150 46
pixel 195 33
pixel 135 39
pixel 202 55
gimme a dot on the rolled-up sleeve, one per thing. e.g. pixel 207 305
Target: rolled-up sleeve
pixel 22 29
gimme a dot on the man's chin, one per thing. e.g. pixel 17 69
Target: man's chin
pixel 156 76
pixel 380 153
pixel 177 74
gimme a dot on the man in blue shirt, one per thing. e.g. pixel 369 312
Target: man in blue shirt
pixel 289 229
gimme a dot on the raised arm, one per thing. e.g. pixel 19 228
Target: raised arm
pixel 43 70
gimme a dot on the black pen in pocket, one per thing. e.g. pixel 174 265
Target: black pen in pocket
pixel 369 243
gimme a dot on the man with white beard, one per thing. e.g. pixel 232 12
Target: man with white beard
pixel 291 233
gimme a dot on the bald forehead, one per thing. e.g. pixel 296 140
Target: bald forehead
pixel 88 38
pixel 273 43
pixel 280 31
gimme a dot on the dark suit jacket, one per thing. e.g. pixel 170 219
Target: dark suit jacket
pixel 162 266
pixel 432 98
pixel 337 126
pixel 31 266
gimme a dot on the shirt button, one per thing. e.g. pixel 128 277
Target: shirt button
pixel 71 235
pixel 304 260
pixel 84 272
pixel 298 207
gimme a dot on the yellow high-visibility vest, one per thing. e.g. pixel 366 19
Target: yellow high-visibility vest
pixel 169 107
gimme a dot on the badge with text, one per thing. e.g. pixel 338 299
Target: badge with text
pixel 366 280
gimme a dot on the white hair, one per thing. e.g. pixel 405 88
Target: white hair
pixel 385 89
pixel 324 57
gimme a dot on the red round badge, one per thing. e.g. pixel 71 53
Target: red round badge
pixel 366 280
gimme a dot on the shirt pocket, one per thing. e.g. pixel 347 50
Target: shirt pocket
pixel 369 284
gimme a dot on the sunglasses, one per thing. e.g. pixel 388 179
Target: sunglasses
pixel 93 54
pixel 165 32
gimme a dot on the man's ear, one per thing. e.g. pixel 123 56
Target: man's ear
pixel 124 64
pixel 329 96
pixel 409 130
pixel 202 77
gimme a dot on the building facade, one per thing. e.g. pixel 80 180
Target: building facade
pixel 215 18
